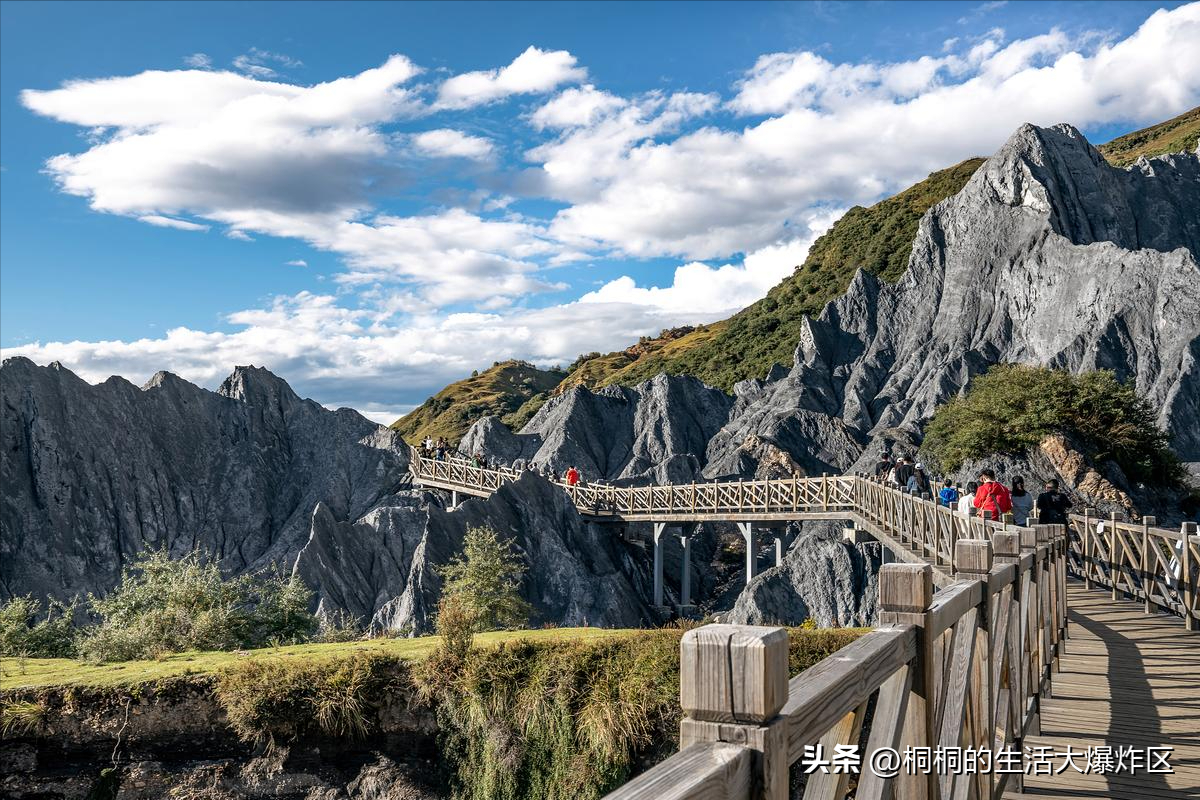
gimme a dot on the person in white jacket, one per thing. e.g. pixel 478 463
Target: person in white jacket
pixel 966 503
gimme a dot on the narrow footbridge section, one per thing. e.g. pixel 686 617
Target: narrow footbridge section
pixel 1052 661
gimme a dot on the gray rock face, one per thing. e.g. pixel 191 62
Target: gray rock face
pixel 492 437
pixel 655 432
pixel 384 568
pixel 94 474
pixel 1048 256
pixel 822 578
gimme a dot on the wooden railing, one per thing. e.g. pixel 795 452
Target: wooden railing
pixel 1160 567
pixel 790 496
pixel 963 668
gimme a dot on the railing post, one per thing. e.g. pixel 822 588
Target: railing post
pixel 1088 546
pixel 1114 570
pixel 1007 550
pixel 973 561
pixel 733 681
pixel 905 592
pixel 1031 633
pixel 1188 565
pixel 1147 578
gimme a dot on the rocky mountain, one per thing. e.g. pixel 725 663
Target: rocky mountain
pixel 384 567
pixel 1048 256
pixel 654 432
pixel 93 474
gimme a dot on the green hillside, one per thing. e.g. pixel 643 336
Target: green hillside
pixel 500 390
pixel 1179 134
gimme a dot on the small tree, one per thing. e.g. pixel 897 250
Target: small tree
pixel 486 581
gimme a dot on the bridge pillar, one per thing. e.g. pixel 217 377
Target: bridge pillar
pixel 658 563
pixel 779 534
pixel 453 499
pixel 685 578
pixel 748 534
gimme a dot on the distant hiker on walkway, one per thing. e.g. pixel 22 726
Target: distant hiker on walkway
pixel 572 477
pixel 918 482
pixel 1022 502
pixel 992 496
pixel 1052 505
pixel 427 446
pixel 903 470
pixel 882 467
pixel 966 503
pixel 948 495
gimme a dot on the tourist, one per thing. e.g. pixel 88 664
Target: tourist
pixel 903 470
pixel 1052 505
pixel 948 495
pixel 572 476
pixel 918 482
pixel 882 467
pixel 427 446
pixel 966 500
pixel 1022 502
pixel 992 496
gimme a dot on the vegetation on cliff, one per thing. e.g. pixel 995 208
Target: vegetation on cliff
pixel 1011 408
pixel 1179 134
pixel 500 390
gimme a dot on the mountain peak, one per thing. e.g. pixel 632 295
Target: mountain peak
pixel 257 386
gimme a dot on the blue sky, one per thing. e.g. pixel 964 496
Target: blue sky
pixel 373 199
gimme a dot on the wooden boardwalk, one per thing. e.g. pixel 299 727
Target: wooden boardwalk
pixel 1127 679
pixel 982 664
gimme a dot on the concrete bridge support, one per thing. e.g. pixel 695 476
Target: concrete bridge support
pixel 658 563
pixel 751 538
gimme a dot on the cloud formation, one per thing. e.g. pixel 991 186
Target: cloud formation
pixel 699 177
pixel 532 72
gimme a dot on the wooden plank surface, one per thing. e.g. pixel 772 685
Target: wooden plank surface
pixel 1127 679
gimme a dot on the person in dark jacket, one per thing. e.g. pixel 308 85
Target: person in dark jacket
pixel 904 471
pixel 883 466
pixel 1052 505
pixel 918 482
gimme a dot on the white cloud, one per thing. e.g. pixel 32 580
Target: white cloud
pixel 531 72
pixel 449 143
pixel 256 63
pixel 198 61
pixel 712 292
pixel 298 262
pixel 241 236
pixel 576 106
pixel 170 222
pixel 846 133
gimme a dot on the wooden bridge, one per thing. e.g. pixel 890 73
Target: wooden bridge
pixel 1052 661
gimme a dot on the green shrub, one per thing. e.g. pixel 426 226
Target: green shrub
pixel 25 631
pixel 1012 408
pixel 486 579
pixel 270 699
pixel 165 605
pixel 20 718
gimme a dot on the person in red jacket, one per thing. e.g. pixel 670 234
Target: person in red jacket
pixel 572 476
pixel 992 496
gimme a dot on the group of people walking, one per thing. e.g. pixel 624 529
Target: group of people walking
pixel 436 449
pixel 983 495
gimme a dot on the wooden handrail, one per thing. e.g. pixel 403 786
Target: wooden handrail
pixel 966 667
pixel 1136 559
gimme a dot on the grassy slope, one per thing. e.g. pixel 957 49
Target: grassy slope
pixel 1172 136
pixel 38 672
pixel 501 390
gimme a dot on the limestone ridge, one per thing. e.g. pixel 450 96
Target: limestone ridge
pixel 656 431
pixel 93 474
pixel 1048 256
pixel 384 568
